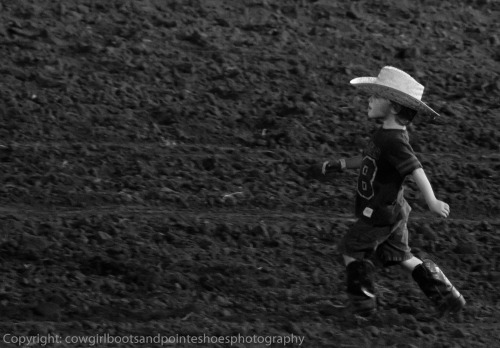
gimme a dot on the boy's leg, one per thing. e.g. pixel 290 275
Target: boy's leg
pixel 409 265
pixel 360 272
pixel 435 285
pixel 357 245
pixel 429 277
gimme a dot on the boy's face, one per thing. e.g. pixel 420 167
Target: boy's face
pixel 378 107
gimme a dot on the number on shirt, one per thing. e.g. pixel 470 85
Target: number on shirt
pixel 366 177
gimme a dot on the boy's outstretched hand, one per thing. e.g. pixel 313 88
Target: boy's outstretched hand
pixel 435 205
pixel 439 207
pixel 314 171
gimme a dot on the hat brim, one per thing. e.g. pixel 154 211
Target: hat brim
pixel 370 85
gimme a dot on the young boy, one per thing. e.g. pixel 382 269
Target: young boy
pixel 380 231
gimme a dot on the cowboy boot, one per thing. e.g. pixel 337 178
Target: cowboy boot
pixel 361 287
pixel 438 288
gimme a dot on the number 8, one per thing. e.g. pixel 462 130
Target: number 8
pixel 366 177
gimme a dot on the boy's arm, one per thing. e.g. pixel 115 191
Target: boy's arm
pixel 353 162
pixel 327 170
pixel 435 205
pixel 342 164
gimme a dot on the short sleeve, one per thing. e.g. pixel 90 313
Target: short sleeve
pixel 400 154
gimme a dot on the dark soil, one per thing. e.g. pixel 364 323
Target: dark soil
pixel 148 154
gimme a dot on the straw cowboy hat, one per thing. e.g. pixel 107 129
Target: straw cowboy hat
pixel 398 86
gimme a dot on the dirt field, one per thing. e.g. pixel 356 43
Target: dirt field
pixel 147 168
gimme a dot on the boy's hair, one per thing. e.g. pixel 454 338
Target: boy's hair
pixel 404 114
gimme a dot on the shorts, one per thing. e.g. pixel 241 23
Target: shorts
pixel 388 244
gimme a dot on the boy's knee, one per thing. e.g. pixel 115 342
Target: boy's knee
pixel 410 264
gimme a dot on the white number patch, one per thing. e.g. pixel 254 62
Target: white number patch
pixel 366 178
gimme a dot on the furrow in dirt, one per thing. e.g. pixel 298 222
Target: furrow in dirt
pixel 174 148
pixel 220 214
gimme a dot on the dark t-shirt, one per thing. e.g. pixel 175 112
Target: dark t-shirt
pixel 387 160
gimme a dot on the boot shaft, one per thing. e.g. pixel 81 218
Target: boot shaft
pixel 436 286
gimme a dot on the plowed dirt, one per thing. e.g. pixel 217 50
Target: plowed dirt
pixel 148 182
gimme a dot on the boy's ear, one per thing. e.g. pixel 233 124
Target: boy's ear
pixel 395 107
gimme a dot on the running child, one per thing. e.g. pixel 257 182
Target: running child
pixel 380 232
